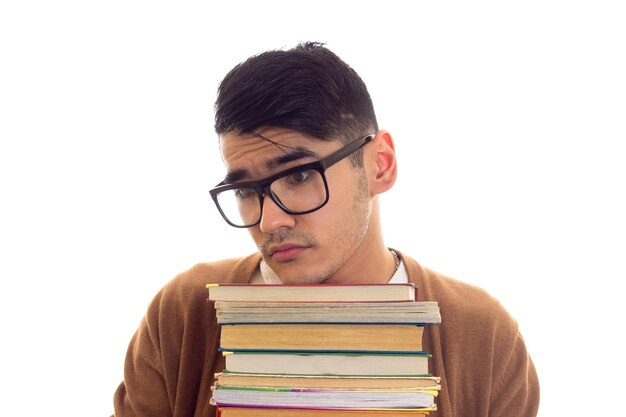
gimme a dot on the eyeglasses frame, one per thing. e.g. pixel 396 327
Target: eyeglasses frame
pixel 262 186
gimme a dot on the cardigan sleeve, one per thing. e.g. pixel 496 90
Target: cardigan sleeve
pixel 143 393
pixel 477 350
pixel 515 391
pixel 172 358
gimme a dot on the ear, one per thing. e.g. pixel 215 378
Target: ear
pixel 384 169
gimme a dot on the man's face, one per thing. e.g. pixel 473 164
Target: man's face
pixel 305 248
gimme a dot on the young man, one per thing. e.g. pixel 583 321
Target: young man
pixel 305 164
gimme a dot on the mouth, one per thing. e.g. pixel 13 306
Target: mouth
pixel 285 252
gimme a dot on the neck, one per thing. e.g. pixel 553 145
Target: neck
pixel 371 262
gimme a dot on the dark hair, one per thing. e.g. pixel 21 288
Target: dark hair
pixel 307 88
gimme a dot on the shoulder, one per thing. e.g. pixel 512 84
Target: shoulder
pixel 218 272
pixel 461 304
pixel 475 325
pixel 233 270
pixel 187 290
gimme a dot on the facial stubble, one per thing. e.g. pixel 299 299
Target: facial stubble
pixel 349 232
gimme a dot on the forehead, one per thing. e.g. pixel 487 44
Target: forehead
pixel 258 154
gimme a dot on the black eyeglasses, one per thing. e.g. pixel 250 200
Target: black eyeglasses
pixel 298 190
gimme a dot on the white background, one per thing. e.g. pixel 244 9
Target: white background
pixel 509 122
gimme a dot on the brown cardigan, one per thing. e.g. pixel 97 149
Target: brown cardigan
pixel 477 350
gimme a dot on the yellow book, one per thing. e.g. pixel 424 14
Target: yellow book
pixel 326 381
pixel 323 337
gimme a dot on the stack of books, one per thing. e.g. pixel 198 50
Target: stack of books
pixel 332 350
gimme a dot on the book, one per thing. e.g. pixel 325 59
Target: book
pixel 302 412
pixel 323 350
pixel 312 292
pixel 326 381
pixel 323 398
pixel 298 363
pixel 232 312
pixel 353 337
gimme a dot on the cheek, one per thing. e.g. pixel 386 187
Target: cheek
pixel 344 193
pixel 256 235
pixel 332 217
pixel 323 224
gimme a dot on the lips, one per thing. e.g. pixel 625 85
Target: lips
pixel 286 251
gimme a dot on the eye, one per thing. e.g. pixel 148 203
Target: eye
pixel 299 177
pixel 243 193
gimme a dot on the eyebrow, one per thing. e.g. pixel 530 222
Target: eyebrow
pixel 293 155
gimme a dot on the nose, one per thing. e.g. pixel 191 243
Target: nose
pixel 274 218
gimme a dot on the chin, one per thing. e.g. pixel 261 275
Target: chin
pixel 304 271
pixel 305 280
pixel 292 276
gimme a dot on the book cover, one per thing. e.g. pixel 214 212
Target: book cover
pixel 323 363
pixel 312 292
pixel 323 336
pixel 326 381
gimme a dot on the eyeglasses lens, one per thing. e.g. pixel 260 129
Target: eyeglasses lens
pixel 297 192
